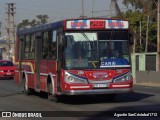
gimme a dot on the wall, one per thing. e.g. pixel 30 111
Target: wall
pixel 4 47
pixel 148 77
pixel 144 68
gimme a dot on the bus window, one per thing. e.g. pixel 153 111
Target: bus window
pixel 54 36
pixel 26 47
pixel 45 45
pixel 32 48
pixel 52 45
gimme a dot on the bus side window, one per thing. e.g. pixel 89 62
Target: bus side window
pixel 32 49
pixel 45 45
pixel 52 45
pixel 26 47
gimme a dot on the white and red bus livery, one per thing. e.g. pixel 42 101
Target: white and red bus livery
pixel 75 57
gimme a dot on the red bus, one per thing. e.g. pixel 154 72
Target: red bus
pixel 75 57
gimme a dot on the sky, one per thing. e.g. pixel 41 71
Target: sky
pixel 55 9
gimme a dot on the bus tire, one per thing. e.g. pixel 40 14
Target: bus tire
pixel 51 95
pixel 50 88
pixel 56 98
pixel 27 90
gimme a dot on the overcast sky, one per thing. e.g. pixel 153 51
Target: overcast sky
pixel 55 9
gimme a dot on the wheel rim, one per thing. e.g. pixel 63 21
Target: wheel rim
pixel 25 86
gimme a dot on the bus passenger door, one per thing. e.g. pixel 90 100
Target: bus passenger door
pixel 38 46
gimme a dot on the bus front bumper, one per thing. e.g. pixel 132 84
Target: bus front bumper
pixel 97 91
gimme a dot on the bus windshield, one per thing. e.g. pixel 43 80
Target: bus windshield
pixel 99 49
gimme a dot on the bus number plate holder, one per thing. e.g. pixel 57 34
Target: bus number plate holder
pixel 100 85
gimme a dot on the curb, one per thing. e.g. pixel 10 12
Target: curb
pixel 148 84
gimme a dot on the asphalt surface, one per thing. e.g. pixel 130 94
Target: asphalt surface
pixel 144 99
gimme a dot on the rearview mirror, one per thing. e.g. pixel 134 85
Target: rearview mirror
pixel 131 39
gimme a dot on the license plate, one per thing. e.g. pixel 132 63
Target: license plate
pixel 8 73
pixel 100 85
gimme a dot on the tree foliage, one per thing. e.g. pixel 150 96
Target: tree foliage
pixel 40 19
pixel 147 7
pixel 140 12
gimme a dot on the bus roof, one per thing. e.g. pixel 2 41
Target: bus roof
pixel 60 24
pixel 40 28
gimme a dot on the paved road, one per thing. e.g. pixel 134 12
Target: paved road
pixel 143 99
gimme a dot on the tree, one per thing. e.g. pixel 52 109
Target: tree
pixel 40 19
pixel 143 9
pixel 24 24
pixel 138 4
pixel 135 17
pixel 147 7
pixel 33 23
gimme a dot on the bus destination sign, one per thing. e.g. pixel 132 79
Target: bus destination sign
pixel 97 24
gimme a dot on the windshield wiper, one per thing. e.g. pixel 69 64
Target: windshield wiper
pixel 85 36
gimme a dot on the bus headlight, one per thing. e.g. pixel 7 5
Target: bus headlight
pixel 69 78
pixel 123 78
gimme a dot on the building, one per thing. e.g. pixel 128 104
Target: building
pixel 5 54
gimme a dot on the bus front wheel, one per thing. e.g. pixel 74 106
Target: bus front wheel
pixel 27 90
pixel 52 97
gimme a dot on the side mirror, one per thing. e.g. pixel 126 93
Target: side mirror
pixel 131 39
pixel 64 42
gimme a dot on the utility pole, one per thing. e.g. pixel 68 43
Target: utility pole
pixel 82 15
pixel 10 29
pixel 146 47
pixel 110 11
pixel 158 34
pixel 140 32
pixel 135 41
pixel 92 4
pixel 82 9
pixel 12 12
